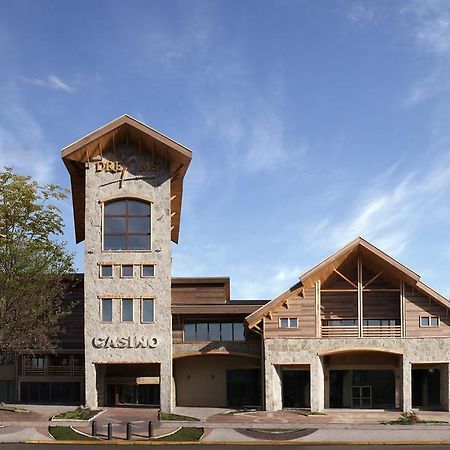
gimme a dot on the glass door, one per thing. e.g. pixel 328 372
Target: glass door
pixel 361 396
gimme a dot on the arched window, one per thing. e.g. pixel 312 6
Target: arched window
pixel 126 225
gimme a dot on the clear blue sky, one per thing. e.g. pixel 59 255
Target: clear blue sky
pixel 311 122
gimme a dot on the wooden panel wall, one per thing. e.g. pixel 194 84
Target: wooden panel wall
pixel 203 293
pixel 381 305
pixel 302 308
pixel 339 305
pixel 419 305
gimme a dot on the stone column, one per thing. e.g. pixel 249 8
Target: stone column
pixel 165 385
pixel 445 386
pixel 273 390
pixel 91 385
pixel 317 385
pixel 406 385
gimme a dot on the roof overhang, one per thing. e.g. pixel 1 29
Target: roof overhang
pixel 125 129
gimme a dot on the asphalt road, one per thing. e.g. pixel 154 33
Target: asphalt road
pixel 216 447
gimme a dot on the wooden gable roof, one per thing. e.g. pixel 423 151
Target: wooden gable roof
pixel 125 128
pixel 326 267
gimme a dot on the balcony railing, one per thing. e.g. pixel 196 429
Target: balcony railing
pixel 336 328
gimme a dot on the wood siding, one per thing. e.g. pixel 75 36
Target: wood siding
pixel 203 293
pixel 381 305
pixel 418 305
pixel 303 308
pixel 339 305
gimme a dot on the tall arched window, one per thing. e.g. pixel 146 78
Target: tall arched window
pixel 127 225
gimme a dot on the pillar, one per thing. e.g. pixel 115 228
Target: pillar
pixel 273 389
pixel 317 385
pixel 445 386
pixel 91 385
pixel 406 385
pixel 165 385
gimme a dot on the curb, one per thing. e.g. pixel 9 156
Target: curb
pixel 240 443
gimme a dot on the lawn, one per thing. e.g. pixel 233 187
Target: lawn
pixel 169 416
pixel 67 434
pixel 185 434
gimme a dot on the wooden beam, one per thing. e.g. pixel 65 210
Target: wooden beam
pixel 318 309
pixel 339 290
pixel 360 297
pixel 381 290
pixel 402 309
pixel 173 198
pixel 372 279
pixel 345 278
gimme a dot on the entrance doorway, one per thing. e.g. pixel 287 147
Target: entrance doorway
pixel 133 394
pixel 296 388
pixel 243 388
pixel 426 387
pixel 362 389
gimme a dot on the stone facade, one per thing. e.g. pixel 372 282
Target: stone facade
pixel 311 352
pixel 148 180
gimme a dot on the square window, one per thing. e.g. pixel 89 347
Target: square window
pixel 107 310
pixel 238 332
pixel 148 270
pixel 127 310
pixel 293 322
pixel 284 323
pixel 106 271
pixel 424 321
pixel 127 271
pixel 148 310
pixel 434 321
pixel 189 331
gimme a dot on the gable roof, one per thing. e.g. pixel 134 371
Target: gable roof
pixel 327 266
pixel 125 128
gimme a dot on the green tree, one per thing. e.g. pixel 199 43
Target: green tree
pixel 34 263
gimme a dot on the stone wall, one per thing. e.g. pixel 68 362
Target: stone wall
pixel 148 180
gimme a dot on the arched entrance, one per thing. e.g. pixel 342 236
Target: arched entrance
pixel 362 379
pixel 220 380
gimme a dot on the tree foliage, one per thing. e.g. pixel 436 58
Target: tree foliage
pixel 34 263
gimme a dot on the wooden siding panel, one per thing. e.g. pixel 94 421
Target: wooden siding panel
pixel 303 308
pixel 419 305
pixel 339 305
pixel 381 305
pixel 188 293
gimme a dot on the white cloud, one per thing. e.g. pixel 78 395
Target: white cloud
pixel 361 12
pixel 51 82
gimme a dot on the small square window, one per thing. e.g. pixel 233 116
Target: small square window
pixel 293 322
pixel 148 270
pixel 106 271
pixel 424 321
pixel 148 310
pixel 288 322
pixel 434 321
pixel 127 310
pixel 284 323
pixel 107 310
pixel 127 271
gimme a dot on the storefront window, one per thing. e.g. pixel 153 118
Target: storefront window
pixel 214 331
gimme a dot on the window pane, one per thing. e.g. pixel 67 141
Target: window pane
pixel 227 332
pixel 107 271
pixel 115 242
pixel 238 332
pixel 293 323
pixel 147 310
pixel 139 225
pixel 189 331
pixel 434 321
pixel 116 208
pixel 107 310
pixel 139 242
pixel 424 321
pixel 214 331
pixel 127 310
pixel 127 270
pixel 148 270
pixel 114 225
pixel 202 331
pixel 284 323
pixel 78 361
pixel 137 208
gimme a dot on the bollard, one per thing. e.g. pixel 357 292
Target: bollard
pixel 150 429
pixel 129 428
pixel 94 428
pixel 109 431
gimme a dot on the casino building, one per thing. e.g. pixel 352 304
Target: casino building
pixel 358 330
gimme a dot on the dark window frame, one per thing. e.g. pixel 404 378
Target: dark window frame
pixel 127 216
pixel 213 322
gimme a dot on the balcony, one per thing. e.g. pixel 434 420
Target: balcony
pixel 338 328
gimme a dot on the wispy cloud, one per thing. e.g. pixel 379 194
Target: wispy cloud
pixel 393 213
pixel 51 82
pixel 361 11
